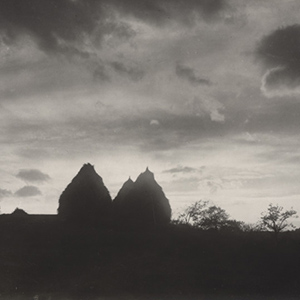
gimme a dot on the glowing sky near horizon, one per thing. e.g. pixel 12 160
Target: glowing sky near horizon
pixel 205 93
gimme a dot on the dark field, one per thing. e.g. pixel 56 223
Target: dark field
pixel 41 256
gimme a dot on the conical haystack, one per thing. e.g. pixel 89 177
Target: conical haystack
pixel 86 200
pixel 142 204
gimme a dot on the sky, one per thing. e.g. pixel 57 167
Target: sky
pixel 203 92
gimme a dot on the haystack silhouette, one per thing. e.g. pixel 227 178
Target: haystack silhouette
pixel 122 194
pixel 86 200
pixel 19 213
pixel 141 204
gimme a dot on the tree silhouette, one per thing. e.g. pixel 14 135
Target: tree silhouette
pixel 193 213
pixel 276 220
pixel 213 217
pixel 201 215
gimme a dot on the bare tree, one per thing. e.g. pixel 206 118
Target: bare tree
pixel 275 219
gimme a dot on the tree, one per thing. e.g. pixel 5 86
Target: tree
pixel 276 220
pixel 192 213
pixel 201 215
pixel 213 217
pixel 251 227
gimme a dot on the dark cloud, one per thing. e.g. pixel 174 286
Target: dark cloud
pixel 189 74
pixel 174 131
pixel 132 73
pixel 161 11
pixel 181 169
pixel 32 175
pixel 280 54
pixel 280 118
pixel 55 24
pixel 28 191
pixel 121 30
pixel 103 71
pixel 67 26
pixel 100 73
pixel 5 193
pixel 84 132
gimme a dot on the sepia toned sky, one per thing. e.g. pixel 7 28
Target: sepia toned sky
pixel 206 93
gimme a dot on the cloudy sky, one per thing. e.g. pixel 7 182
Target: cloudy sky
pixel 204 92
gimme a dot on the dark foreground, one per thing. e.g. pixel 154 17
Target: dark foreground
pixel 41 258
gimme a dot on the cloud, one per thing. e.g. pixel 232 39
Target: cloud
pixel 183 184
pixel 32 175
pixel 68 27
pixel 100 73
pixel 159 12
pixel 5 193
pixel 99 38
pixel 173 131
pixel 207 105
pixel 181 169
pixel 154 122
pixel 281 118
pixel 279 53
pixel 56 26
pixel 132 73
pixel 28 191
pixel 189 74
pixel 33 153
pixel 176 131
pixel 214 186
